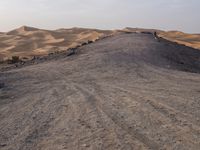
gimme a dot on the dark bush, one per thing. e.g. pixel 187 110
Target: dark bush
pixel 15 59
pixel 127 32
pixel 89 42
pixel 146 32
pixel 84 43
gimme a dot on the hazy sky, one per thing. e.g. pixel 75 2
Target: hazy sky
pixel 104 14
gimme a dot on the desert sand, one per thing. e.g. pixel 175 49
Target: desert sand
pixel 28 41
pixel 191 40
pixel 129 91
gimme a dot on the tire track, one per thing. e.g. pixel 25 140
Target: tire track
pixel 116 118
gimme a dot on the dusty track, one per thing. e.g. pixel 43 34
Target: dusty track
pixel 124 92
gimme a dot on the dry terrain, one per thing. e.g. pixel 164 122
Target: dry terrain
pixel 126 92
pixel 191 40
pixel 28 41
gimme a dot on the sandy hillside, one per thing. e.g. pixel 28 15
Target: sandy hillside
pixel 28 41
pixel 191 40
pixel 140 30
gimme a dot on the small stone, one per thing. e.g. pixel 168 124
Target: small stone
pixel 85 145
pixel 3 145
pixel 2 85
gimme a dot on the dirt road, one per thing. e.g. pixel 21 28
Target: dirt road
pixel 124 92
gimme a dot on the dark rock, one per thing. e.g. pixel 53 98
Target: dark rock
pixel 3 145
pixel 2 85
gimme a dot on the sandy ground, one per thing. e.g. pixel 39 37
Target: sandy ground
pixel 191 40
pixel 28 41
pixel 124 92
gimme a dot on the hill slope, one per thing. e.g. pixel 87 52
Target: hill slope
pixel 28 41
pixel 191 40
pixel 124 92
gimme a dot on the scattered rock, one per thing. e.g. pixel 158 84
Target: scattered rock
pixel 3 145
pixel 85 145
pixel 71 52
pixel 2 85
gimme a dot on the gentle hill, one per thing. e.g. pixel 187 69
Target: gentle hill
pixel 28 41
pixel 191 40
pixel 139 30
pixel 22 30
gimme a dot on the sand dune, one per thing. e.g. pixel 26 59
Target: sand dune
pixel 140 30
pixel 191 40
pixel 28 41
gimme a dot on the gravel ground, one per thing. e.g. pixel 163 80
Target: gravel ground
pixel 126 92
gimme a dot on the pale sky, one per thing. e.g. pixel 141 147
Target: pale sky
pixel 181 15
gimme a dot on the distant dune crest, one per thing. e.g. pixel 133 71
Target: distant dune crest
pixel 21 30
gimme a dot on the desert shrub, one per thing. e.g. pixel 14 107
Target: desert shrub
pixel 15 59
pixel 84 43
pixel 128 32
pixel 146 32
pixel 78 46
pixel 25 58
pixel 50 54
pixel 90 42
